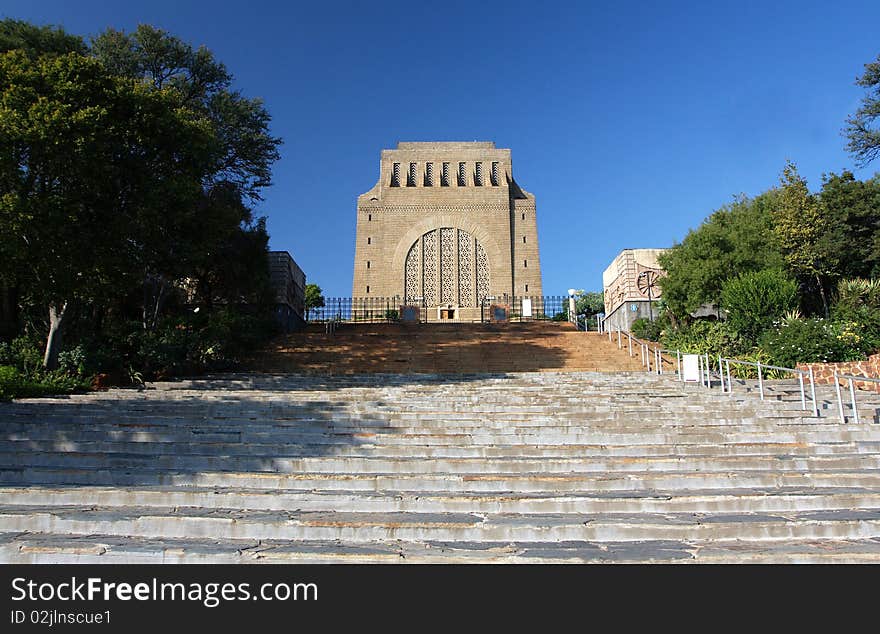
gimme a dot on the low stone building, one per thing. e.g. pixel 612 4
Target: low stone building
pixel 289 283
pixel 630 287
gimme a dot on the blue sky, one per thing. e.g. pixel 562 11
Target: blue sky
pixel 629 121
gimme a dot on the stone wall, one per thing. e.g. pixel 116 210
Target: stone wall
pixel 824 372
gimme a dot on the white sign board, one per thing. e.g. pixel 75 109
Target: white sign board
pixel 526 308
pixel 690 368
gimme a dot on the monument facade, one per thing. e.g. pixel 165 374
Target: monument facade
pixel 448 229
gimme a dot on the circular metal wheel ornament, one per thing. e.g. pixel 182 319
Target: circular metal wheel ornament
pixel 646 281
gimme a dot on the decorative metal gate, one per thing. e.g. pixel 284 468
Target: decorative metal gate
pixel 446 266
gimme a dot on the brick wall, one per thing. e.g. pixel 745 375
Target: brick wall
pixel 824 372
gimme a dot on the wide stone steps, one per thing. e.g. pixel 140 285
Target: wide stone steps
pixel 458 348
pixel 535 467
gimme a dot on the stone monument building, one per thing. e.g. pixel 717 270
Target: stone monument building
pixel 447 228
pixel 630 287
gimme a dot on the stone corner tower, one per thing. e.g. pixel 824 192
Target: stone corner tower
pixel 445 226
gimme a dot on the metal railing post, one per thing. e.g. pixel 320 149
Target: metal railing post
pixel 839 397
pixel 729 382
pixel 760 381
pixel 721 374
pixel 619 346
pixel 852 395
pixel 803 394
pixel 629 337
pixel 813 394
pixel 678 364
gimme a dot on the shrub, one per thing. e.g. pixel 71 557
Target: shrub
pixel 858 306
pixel 811 341
pixel 754 301
pixel 23 353
pixel 73 361
pixel 15 384
pixel 647 329
pixel 10 382
pixel 853 294
pixel 705 336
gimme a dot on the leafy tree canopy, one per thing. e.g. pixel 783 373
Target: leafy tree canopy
pixel 862 132
pixel 735 239
pixel 245 147
pixel 314 297
pixel 38 40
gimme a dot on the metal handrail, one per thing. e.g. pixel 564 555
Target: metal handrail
pixel 850 378
pixel 705 369
pixel 766 366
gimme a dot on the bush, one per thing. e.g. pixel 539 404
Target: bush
pixel 860 311
pixel 811 341
pixel 15 384
pixel 183 345
pixel 23 353
pixel 856 293
pixel 754 301
pixel 10 382
pixel 705 336
pixel 647 329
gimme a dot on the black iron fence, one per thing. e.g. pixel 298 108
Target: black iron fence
pixel 387 309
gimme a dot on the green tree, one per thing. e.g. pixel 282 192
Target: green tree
pixel 800 227
pixel 38 40
pixel 88 160
pixel 220 222
pixel 754 301
pixel 314 298
pixel 246 148
pixel 589 303
pixel 852 210
pixel 736 238
pixel 861 130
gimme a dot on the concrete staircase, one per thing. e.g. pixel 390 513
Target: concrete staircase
pixel 445 348
pixel 520 467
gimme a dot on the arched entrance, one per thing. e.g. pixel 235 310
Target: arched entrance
pixel 448 268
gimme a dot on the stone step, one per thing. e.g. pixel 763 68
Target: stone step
pixel 467 527
pixel 91 549
pixel 303 434
pixel 455 483
pixel 299 450
pixel 418 465
pixel 695 502
pixel 685 435
pixel 393 404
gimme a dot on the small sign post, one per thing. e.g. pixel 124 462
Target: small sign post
pixel 691 368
